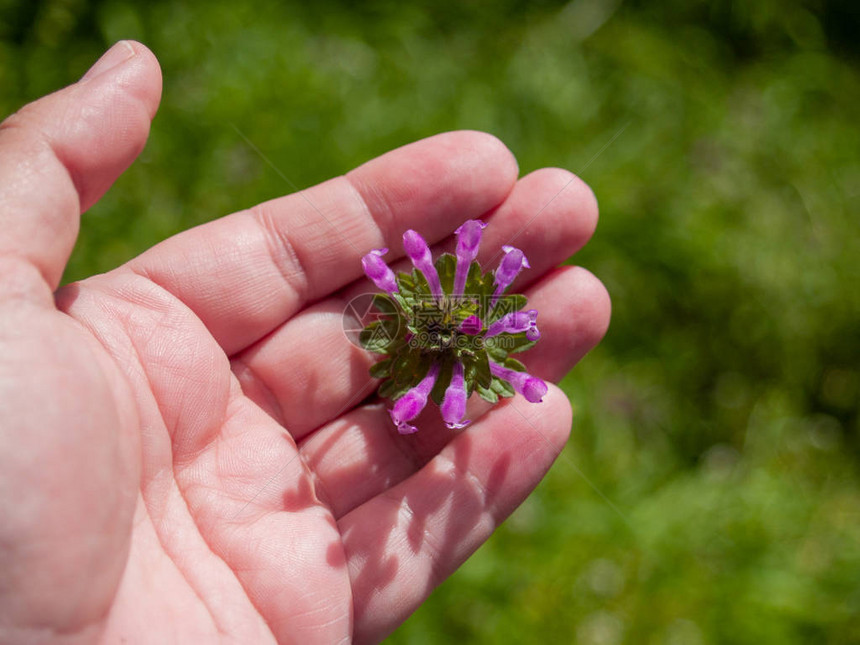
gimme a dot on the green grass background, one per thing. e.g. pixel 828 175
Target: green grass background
pixel 709 493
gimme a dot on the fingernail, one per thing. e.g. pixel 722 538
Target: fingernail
pixel 114 56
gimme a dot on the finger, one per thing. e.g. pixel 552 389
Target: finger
pixel 403 543
pixel 59 154
pixel 550 215
pixel 245 274
pixel 360 455
pixel 312 348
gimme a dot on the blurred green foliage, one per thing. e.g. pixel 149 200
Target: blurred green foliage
pixel 710 491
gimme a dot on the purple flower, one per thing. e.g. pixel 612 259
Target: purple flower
pixel 529 386
pixel 468 240
pixel 410 404
pixel 418 251
pixel 516 323
pixel 378 271
pixel 471 325
pixel 509 268
pixel 454 403
pixel 427 329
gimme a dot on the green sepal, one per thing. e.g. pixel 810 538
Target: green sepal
pixel 514 364
pixel 497 354
pixel 502 388
pixel 405 284
pixel 479 290
pixel 381 369
pixel 483 377
pixel 443 380
pixel 405 365
pixel 469 371
pixel 405 304
pixel 517 343
pixel 380 336
pixel 507 304
pixel 446 267
pixel 475 281
pixel 385 305
pixel 390 389
pixel 525 346
pixel 412 286
pixel 487 394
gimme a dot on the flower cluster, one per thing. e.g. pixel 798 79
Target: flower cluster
pixel 448 329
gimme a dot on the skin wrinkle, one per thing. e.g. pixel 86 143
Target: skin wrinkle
pixel 133 344
pixel 319 453
pixel 245 374
pixel 283 253
pixel 382 215
pixel 452 470
pixel 83 114
pixel 234 570
pixel 317 486
pixel 168 308
pixel 403 509
pixel 252 597
pixel 20 124
pixel 162 536
pixel 96 332
pixel 52 635
pixel 20 279
pixel 408 449
pixel 361 223
pixel 263 514
pixel 158 530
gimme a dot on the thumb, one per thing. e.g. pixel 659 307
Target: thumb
pixel 59 155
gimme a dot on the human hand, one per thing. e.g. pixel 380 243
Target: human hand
pixel 186 452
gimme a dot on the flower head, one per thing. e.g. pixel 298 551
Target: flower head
pixel 446 335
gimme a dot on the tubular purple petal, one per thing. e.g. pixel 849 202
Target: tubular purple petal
pixel 454 402
pixel 471 325
pixel 378 271
pixel 533 333
pixel 534 389
pixel 531 387
pixel 509 268
pixel 402 426
pixel 514 323
pixel 410 404
pixel 468 241
pixel 418 251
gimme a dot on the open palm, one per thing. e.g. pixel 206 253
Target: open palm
pixel 188 452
